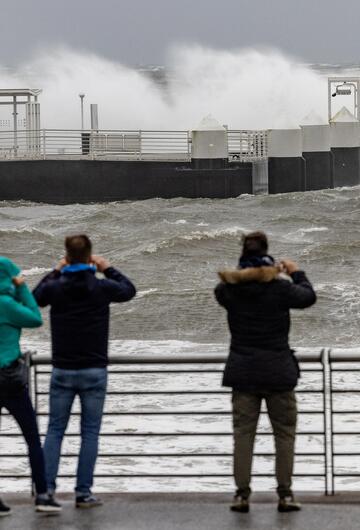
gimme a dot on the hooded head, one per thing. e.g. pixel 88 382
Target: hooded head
pixel 254 251
pixel 8 270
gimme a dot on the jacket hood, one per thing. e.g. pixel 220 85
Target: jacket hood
pixel 263 274
pixel 8 270
pixel 79 284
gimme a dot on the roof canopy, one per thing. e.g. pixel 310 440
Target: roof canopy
pixel 19 92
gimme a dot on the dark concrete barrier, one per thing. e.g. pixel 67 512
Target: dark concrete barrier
pixel 346 166
pixel 69 181
pixel 319 170
pixel 286 174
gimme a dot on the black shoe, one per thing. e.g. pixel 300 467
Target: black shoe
pixel 4 509
pixel 240 504
pixel 288 504
pixel 88 501
pixel 47 505
pixel 52 498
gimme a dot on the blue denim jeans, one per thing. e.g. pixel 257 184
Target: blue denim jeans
pixel 90 385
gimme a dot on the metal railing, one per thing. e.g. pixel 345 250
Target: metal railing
pixel 248 146
pixel 167 423
pixel 243 146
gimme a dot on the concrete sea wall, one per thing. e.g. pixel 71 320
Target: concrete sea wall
pixel 310 157
pixel 68 181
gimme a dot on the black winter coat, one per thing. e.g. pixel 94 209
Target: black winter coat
pixel 258 303
pixel 80 314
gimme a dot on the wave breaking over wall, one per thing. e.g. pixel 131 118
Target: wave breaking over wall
pixel 246 88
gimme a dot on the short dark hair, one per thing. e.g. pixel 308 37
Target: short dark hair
pixel 254 244
pixel 78 248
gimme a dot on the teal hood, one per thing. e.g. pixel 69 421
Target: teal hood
pixel 18 309
pixel 8 269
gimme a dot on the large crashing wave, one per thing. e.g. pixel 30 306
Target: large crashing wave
pixel 246 88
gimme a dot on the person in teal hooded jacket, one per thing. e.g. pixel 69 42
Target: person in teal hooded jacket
pixel 18 309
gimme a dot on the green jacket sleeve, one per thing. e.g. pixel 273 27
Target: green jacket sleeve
pixel 23 312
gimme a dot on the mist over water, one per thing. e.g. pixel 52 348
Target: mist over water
pixel 246 88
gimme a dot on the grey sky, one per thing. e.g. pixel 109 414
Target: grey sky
pixel 140 31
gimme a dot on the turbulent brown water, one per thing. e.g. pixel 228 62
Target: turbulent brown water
pixel 172 249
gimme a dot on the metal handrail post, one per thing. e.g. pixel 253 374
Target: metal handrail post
pixel 28 363
pixel 327 407
pixel 331 401
pixel 44 144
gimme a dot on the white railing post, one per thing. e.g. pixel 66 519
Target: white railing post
pixel 44 143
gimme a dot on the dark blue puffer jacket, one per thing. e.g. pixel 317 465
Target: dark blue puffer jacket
pixel 79 314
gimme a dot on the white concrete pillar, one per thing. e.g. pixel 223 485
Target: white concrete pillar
pixel 285 143
pixel 209 147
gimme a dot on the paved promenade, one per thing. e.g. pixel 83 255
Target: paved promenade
pixel 187 512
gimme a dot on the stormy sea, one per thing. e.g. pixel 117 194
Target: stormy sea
pixel 172 250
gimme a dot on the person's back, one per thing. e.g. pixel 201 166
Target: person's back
pixel 261 363
pixel 79 313
pixel 79 330
pixel 258 301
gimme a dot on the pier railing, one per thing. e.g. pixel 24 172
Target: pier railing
pixel 167 426
pixel 244 146
pixel 247 146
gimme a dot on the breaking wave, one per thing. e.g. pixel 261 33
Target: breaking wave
pixel 244 88
pixel 196 236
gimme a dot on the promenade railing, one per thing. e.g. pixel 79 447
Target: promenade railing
pixel 244 146
pixel 167 426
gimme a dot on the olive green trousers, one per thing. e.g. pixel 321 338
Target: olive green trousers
pixel 282 410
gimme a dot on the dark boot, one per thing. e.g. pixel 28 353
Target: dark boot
pixel 288 504
pixel 240 504
pixel 4 509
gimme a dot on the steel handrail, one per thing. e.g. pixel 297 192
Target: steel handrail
pixel 324 363
pixel 243 145
pixel 303 355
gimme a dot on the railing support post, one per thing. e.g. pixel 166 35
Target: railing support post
pixel 44 144
pixel 328 422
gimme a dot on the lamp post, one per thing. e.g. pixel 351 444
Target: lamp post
pixel 344 86
pixel 81 96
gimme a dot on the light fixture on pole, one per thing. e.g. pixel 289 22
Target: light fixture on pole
pixel 81 96
pixel 344 86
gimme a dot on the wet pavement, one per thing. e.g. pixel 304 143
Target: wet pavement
pixel 186 512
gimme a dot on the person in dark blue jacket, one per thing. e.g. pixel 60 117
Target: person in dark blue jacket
pixel 79 317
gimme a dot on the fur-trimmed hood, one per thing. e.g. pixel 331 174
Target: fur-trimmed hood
pixel 252 274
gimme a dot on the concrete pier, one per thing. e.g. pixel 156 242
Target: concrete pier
pixel 287 170
pixel 191 511
pixel 345 146
pixel 69 181
pixel 318 157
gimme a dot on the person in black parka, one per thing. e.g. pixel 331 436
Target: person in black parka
pixel 261 364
